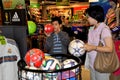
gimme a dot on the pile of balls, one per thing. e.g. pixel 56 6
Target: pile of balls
pixel 38 60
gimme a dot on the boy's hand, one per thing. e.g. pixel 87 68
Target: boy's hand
pixel 47 34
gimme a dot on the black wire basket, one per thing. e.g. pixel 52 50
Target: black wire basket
pixel 61 74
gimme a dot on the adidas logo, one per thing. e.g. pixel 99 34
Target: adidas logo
pixel 15 17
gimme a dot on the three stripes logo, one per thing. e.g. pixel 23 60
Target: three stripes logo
pixel 15 17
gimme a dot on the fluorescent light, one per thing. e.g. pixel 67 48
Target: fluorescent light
pixel 93 0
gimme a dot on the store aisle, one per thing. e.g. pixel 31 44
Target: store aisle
pixel 85 74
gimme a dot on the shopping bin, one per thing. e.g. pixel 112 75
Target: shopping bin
pixel 70 73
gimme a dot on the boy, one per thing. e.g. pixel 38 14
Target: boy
pixel 58 41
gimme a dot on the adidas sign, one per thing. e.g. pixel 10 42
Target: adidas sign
pixel 15 17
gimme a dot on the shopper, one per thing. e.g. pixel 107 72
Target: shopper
pixel 57 42
pixel 95 16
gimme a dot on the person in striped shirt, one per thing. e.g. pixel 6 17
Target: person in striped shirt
pixel 58 41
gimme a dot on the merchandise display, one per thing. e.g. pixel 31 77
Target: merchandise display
pixel 51 69
pixel 9 57
pixel 25 25
pixel 35 12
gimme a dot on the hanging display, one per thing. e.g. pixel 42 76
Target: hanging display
pixel 13 4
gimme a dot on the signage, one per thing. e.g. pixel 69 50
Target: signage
pixel 14 17
pixel 13 4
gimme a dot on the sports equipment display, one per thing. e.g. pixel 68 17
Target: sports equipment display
pixel 50 64
pixel 51 68
pixel 34 57
pixel 31 27
pixel 75 47
pixel 48 28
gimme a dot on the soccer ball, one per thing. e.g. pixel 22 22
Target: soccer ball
pixel 75 48
pixel 48 28
pixel 34 57
pixel 33 76
pixel 67 75
pixel 68 63
pixel 50 64
pixel 23 75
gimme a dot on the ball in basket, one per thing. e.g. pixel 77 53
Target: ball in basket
pixel 50 64
pixel 48 28
pixel 23 75
pixel 68 63
pixel 66 75
pixel 76 47
pixel 33 76
pixel 34 57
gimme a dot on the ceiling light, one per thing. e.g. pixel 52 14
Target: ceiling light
pixel 93 0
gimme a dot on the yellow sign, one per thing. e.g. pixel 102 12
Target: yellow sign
pixel 62 2
pixel 33 2
pixel 13 4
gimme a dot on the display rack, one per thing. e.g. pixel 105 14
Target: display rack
pixel 23 72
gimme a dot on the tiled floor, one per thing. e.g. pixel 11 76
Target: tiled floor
pixel 85 74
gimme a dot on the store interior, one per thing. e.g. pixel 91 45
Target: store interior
pixel 40 13
pixel 14 17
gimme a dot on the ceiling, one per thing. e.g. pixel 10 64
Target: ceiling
pixel 50 1
pixel 53 1
pixel 61 0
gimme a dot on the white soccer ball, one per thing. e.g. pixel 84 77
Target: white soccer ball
pixel 50 64
pixel 76 47
pixel 68 63
pixel 23 75
pixel 33 76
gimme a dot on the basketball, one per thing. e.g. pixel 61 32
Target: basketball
pixel 75 47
